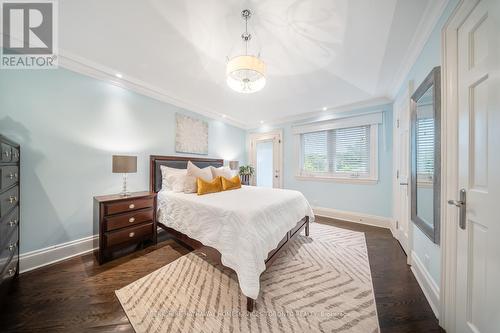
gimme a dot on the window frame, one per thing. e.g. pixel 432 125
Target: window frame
pixel 349 122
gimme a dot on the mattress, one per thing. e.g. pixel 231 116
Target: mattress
pixel 244 225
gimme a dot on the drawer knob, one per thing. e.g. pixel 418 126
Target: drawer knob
pixel 12 247
pixel 12 199
pixel 11 176
pixel 12 271
pixel 131 220
pixel 13 223
pixel 131 206
pixel 132 234
pixel 7 153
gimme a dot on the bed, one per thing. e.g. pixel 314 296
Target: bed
pixel 242 229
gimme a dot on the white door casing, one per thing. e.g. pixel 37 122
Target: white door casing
pixel 401 148
pixel 277 138
pixel 478 245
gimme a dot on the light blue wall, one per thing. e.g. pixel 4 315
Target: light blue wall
pixel 430 57
pixel 373 199
pixel 68 126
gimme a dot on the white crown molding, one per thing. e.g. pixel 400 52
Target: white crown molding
pixel 330 113
pixel 367 219
pixel 431 16
pixel 36 259
pixel 427 284
pixel 87 67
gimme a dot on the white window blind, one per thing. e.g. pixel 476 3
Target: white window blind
pixel 341 152
pixel 425 148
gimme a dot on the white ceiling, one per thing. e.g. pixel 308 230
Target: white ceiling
pixel 319 53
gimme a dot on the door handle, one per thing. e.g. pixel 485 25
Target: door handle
pixel 462 205
pixel 405 184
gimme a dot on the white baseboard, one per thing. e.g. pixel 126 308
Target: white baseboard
pixel 35 259
pixel 373 220
pixel 427 284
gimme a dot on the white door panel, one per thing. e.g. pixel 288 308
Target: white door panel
pixel 266 156
pixel 478 246
pixel 401 158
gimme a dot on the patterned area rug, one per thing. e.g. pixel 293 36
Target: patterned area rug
pixel 321 283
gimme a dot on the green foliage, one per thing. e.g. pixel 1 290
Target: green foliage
pixel 246 170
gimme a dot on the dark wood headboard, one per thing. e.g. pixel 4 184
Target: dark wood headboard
pixel 178 162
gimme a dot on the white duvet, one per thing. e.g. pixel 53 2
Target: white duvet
pixel 243 225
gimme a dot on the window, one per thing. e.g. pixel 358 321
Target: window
pixel 345 150
pixel 425 149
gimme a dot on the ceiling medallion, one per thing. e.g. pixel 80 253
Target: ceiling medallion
pixel 246 73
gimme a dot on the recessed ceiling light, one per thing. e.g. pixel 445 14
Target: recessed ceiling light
pixel 325 108
pixel 223 116
pixel 118 75
pixel 262 121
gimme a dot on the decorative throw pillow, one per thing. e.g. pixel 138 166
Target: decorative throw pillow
pixel 231 184
pixel 166 179
pixel 205 187
pixel 193 172
pixel 223 171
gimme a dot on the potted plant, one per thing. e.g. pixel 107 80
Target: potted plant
pixel 246 172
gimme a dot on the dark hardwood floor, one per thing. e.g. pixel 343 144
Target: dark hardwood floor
pixel 77 295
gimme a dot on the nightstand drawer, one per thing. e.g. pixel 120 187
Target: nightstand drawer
pixel 9 175
pixel 129 219
pixel 129 234
pixel 8 200
pixel 124 206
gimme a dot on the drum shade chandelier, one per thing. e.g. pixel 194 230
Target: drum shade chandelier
pixel 246 73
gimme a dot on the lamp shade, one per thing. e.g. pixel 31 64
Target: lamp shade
pixel 124 164
pixel 233 165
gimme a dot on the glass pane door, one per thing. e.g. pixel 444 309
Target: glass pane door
pixel 264 170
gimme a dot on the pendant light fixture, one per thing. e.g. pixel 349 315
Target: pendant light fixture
pixel 246 73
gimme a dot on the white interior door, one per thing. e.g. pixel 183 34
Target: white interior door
pixel 402 164
pixel 478 242
pixel 266 158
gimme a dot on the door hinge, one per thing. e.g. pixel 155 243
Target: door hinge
pixel 397 123
pixel 279 141
pixel 397 224
pixel 397 174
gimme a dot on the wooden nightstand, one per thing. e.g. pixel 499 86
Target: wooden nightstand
pixel 124 221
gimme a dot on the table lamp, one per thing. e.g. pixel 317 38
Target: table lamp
pixel 125 165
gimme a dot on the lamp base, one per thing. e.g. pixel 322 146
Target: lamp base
pixel 124 192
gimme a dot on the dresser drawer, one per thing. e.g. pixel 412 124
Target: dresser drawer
pixel 8 250
pixel 129 219
pixel 10 270
pixel 124 206
pixel 14 155
pixel 6 152
pixel 128 234
pixel 8 225
pixel 9 175
pixel 8 200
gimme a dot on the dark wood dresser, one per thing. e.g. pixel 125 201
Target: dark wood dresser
pixel 123 222
pixel 9 211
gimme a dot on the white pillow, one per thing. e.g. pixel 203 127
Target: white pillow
pixel 176 182
pixel 167 181
pixel 193 172
pixel 223 171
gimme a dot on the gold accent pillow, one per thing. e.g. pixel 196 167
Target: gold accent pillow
pixel 205 187
pixel 231 183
